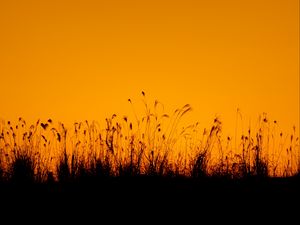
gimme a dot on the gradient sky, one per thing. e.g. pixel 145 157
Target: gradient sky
pixel 75 60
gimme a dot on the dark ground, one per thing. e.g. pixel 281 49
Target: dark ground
pixel 155 198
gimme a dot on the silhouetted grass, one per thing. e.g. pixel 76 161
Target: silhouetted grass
pixel 147 166
pixel 153 146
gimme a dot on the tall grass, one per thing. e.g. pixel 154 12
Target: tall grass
pixel 154 145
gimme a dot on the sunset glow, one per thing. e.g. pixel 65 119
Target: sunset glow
pixel 77 60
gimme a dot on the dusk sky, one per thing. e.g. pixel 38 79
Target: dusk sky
pixel 76 60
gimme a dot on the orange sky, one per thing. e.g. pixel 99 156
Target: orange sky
pixel 75 60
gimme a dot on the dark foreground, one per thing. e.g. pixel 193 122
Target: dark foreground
pixel 155 197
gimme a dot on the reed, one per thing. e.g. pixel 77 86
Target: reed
pixel 154 144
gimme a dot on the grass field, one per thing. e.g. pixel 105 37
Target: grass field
pixel 150 160
pixel 153 145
